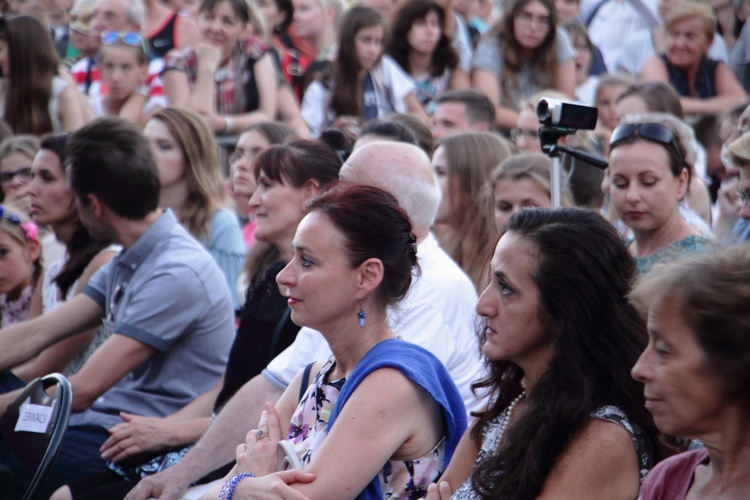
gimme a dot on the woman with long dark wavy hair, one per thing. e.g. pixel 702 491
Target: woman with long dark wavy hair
pixel 523 53
pixel 420 45
pixel 566 420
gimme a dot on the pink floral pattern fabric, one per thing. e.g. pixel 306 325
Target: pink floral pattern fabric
pixel 308 428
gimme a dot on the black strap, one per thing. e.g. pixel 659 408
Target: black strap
pixel 277 334
pixel 305 380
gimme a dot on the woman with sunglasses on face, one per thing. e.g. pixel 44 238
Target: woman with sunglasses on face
pixel 228 77
pixel 523 53
pixel 124 69
pixel 37 100
pixel 650 163
pixel 566 420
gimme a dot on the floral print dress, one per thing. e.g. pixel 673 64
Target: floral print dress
pixel 309 427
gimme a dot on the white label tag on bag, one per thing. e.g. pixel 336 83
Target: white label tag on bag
pixel 33 418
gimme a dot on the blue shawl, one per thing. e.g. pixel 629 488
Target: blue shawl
pixel 424 369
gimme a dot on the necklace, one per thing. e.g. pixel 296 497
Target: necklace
pixel 506 420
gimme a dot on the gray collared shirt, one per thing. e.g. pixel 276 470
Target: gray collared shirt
pixel 166 292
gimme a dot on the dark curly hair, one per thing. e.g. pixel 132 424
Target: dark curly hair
pixel 584 275
pixel 444 56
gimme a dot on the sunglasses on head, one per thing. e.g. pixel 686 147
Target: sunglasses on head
pixel 128 38
pixel 649 131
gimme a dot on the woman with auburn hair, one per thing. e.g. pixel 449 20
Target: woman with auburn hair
pixel 37 101
pixel 192 186
pixel 354 255
pixel 695 372
pixel 421 47
pixel 464 223
pixel 523 53
pixel 564 412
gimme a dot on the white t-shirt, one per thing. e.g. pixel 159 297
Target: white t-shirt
pixel 392 85
pixel 437 314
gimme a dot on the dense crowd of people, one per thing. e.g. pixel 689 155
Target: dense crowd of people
pixel 310 248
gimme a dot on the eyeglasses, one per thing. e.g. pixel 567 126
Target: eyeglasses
pixel 530 19
pixel 22 174
pixel 128 38
pixel 529 135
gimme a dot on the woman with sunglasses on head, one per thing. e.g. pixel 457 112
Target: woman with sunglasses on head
pixel 229 76
pixel 565 419
pixel 523 53
pixel 37 100
pixel 124 66
pixel 650 164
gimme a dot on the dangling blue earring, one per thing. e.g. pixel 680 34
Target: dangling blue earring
pixel 361 315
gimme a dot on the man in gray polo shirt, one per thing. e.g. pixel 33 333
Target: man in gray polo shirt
pixel 163 297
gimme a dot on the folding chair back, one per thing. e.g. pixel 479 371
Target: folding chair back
pixel 34 424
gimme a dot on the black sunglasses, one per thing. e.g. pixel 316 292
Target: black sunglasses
pixel 649 131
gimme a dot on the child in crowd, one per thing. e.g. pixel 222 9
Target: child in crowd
pixel 381 86
pixel 605 99
pixel 20 265
pixel 124 63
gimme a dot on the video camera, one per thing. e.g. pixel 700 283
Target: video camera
pixel 567 115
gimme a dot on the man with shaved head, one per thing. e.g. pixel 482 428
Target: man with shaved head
pixel 437 314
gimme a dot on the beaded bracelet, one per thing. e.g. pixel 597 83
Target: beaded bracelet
pixel 227 490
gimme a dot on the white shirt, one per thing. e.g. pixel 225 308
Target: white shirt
pixel 436 314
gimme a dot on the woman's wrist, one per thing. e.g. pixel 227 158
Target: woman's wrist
pixel 227 490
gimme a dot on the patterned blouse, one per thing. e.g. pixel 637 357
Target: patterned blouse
pixel 308 428
pixel 609 413
pixel 233 95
